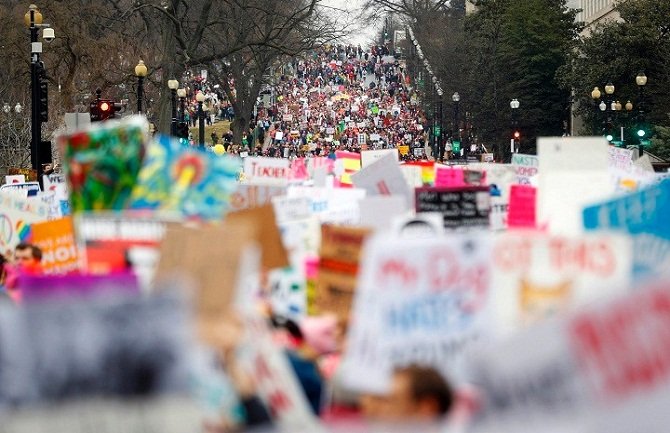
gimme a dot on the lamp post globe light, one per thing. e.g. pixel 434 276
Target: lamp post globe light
pixel 641 81
pixel 173 85
pixel 40 152
pixel 140 72
pixel 200 98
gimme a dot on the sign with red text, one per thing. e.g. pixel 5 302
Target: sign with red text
pixel 604 368
pixel 424 301
pixel 273 171
pixel 538 275
pixel 275 380
pixel 526 168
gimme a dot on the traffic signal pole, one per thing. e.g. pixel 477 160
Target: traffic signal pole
pixel 36 121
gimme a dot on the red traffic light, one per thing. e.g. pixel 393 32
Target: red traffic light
pixel 104 106
pixel 517 134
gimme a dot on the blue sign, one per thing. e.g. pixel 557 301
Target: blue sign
pixel 645 215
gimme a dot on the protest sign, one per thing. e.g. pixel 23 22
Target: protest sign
pixel 57 184
pixel 378 212
pixel 643 214
pixel 274 171
pixel 249 194
pixel 16 178
pixel 350 163
pixel 460 207
pixel 522 207
pixel 573 173
pixel 16 215
pixel 538 275
pixel 80 339
pixel 298 169
pixel 602 368
pixel 275 380
pixel 458 177
pixel 266 234
pixel 102 163
pixel 420 226
pixel 370 156
pixel 120 242
pixel 288 295
pixel 185 180
pixel 41 288
pixel 526 167
pixel 383 177
pixel 338 268
pixel 56 240
pixel 412 174
pixel 424 301
pixel 25 189
pixel 192 255
pixel 291 208
pixel 332 205
pixel 404 150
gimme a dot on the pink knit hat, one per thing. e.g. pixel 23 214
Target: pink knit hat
pixel 320 333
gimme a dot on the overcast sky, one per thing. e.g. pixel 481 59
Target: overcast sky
pixel 363 32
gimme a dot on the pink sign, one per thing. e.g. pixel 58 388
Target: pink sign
pixel 298 170
pixel 521 212
pixel 456 177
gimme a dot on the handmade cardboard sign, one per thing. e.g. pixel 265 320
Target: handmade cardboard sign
pixel 422 301
pixel 338 268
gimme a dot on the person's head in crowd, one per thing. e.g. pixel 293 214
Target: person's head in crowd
pixel 27 256
pixel 416 393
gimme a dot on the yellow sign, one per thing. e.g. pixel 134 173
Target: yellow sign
pixel 404 150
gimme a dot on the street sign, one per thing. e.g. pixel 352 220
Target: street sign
pixel 645 142
pixel 437 130
pixel 456 146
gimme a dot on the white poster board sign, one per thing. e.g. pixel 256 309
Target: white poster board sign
pixel 573 173
pixel 418 301
pixel 273 171
pixel 603 368
pixel 370 156
pixel 539 275
pixel 384 177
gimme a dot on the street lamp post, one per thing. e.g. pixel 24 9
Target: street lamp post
pixel 516 134
pixel 181 93
pixel 39 89
pixel 595 95
pixel 140 72
pixel 456 98
pixel 173 85
pixel 641 81
pixel 200 98
pixel 441 146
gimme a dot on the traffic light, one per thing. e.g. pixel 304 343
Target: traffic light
pixel 517 135
pixel 106 109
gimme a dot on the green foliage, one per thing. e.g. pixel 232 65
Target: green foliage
pixel 515 49
pixel 660 142
pixel 616 51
